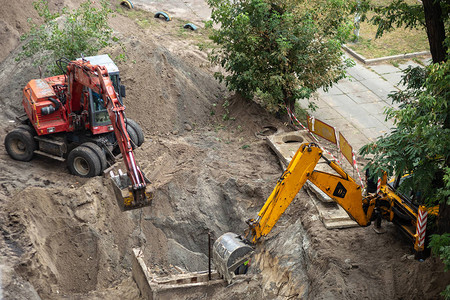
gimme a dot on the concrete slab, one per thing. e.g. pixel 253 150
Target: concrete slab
pixel 326 113
pixel 152 287
pixel 338 100
pixel 332 215
pixel 373 133
pixel 285 145
pixel 375 108
pixel 394 78
pixel 382 118
pixel 368 121
pixel 352 112
pixel 334 90
pixel 350 87
pixel 379 87
pixel 384 68
pixel 355 137
pixel 360 72
pixel 364 97
pixel 405 65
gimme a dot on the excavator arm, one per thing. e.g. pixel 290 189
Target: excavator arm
pixel 289 184
pixel 130 188
pixel 344 191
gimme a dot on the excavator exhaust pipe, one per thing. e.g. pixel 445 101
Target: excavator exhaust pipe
pixel 127 198
pixel 229 252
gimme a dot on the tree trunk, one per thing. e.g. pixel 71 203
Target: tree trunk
pixel 435 29
pixel 444 208
pixel 444 219
pixel 291 105
pixel 436 36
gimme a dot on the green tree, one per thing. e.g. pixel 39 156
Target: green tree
pixel 69 34
pixel 420 143
pixel 280 50
pixel 433 15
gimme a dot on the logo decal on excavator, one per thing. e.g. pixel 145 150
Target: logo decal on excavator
pixel 339 191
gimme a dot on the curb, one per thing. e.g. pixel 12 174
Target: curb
pixel 380 59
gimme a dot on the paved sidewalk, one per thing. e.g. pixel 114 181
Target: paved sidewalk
pixel 355 105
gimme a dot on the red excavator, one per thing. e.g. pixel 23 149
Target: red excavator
pixel 78 117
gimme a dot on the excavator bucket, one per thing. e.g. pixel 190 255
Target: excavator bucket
pixel 127 198
pixel 229 252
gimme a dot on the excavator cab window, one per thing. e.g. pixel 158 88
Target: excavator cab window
pixel 99 113
pixel 120 89
pixel 414 197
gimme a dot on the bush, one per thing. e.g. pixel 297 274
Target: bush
pixel 69 34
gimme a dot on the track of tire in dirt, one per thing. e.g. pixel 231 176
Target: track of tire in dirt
pixel 64 236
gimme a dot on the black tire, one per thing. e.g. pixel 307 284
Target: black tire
pixel 133 136
pixel 100 154
pixel 371 182
pixel 137 129
pixel 20 145
pixel 83 162
pixel 28 128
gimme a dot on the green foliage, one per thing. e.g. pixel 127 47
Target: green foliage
pixel 68 33
pixel 397 13
pixel 279 50
pixel 440 245
pixel 226 115
pixel 420 143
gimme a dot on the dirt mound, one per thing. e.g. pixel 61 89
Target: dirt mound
pixel 64 236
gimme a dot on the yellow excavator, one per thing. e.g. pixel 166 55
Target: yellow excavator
pixel 231 250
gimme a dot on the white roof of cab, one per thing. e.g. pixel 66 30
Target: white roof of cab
pixel 103 60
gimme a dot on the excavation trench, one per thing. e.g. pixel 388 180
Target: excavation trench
pixel 76 241
pixel 64 236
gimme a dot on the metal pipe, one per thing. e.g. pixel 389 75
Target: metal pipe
pixel 209 255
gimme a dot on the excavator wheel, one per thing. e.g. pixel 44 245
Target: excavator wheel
pixel 20 144
pixel 28 128
pixel 100 154
pixel 137 128
pixel 133 136
pixel 83 162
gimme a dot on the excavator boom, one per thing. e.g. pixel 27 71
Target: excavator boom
pixel 288 186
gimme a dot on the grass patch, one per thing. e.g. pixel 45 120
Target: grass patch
pixel 143 18
pixel 398 41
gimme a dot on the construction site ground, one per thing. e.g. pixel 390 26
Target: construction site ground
pixel 63 237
